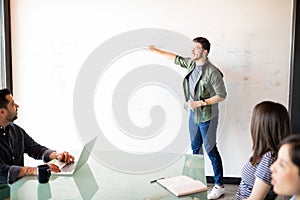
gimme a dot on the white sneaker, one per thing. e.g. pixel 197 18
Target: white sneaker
pixel 216 192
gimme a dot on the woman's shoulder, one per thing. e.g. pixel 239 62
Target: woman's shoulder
pixel 293 198
pixel 269 155
pixel 267 160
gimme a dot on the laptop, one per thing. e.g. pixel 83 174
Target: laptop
pixel 70 169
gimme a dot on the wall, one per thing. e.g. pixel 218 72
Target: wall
pixel 73 59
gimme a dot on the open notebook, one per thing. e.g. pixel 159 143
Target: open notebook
pixel 182 185
pixel 70 169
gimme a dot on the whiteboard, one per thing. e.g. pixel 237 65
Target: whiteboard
pixel 81 68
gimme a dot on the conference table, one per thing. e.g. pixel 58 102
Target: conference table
pixel 95 180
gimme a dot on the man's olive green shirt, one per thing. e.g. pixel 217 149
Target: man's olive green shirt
pixel 209 84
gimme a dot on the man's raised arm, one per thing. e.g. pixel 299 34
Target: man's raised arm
pixel 167 55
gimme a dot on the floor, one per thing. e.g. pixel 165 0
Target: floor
pixel 231 190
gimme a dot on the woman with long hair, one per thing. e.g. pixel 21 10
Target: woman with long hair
pixel 270 124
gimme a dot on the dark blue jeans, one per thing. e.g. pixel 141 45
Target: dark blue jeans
pixel 205 133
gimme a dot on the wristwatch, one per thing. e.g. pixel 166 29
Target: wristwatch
pixel 204 103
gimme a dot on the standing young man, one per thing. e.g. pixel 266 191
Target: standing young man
pixel 203 88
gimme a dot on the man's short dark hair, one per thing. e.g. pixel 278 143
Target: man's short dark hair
pixel 3 101
pixel 204 42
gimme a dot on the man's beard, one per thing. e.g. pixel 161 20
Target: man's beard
pixel 197 56
pixel 15 117
pixel 11 119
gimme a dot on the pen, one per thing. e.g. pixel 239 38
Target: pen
pixel 154 180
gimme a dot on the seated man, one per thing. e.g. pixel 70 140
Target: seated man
pixel 14 142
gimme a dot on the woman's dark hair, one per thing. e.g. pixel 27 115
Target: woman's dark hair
pixel 270 124
pixel 204 42
pixel 294 143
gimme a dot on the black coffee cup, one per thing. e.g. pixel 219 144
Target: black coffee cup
pixel 43 173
